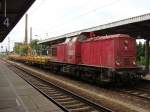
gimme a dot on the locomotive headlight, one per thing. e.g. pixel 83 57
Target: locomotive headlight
pixel 126 42
pixel 134 63
pixel 117 63
pixel 126 48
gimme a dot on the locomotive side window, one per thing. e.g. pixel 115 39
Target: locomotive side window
pixel 74 39
pixel 82 38
pixel 67 40
pixel 54 51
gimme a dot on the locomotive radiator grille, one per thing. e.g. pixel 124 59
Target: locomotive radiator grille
pixel 126 61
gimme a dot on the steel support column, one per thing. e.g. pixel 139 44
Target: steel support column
pixel 147 55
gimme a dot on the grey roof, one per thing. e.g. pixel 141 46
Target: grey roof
pixel 133 20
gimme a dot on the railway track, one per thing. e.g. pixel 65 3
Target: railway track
pixel 66 100
pixel 138 92
pixel 145 84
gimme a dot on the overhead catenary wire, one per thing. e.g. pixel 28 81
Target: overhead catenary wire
pixel 55 28
pixel 57 19
pixel 81 15
pixel 38 7
pixel 65 15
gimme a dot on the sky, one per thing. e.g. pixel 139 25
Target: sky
pixel 50 18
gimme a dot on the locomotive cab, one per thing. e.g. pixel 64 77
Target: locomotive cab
pixel 125 56
pixel 73 49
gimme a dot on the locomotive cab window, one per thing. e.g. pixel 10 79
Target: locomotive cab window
pixel 126 42
pixel 82 38
pixel 67 40
pixel 74 39
pixel 54 51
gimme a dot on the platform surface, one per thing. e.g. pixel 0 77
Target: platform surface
pixel 16 95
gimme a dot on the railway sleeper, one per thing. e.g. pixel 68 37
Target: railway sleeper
pixel 70 103
pixel 69 99
pixel 46 88
pixel 61 97
pixel 50 90
pixel 77 105
pixel 57 95
pixel 73 102
pixel 46 91
pixel 42 88
pixel 53 92
pixel 82 109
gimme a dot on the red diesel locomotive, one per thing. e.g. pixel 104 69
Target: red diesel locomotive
pixel 101 58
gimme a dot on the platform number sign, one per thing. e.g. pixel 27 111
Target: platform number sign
pixel 4 22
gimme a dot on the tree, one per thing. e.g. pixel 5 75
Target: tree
pixel 16 49
pixel 23 50
pixel 140 52
pixel 35 46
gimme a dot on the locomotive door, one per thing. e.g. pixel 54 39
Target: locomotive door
pixel 74 51
pixel 126 51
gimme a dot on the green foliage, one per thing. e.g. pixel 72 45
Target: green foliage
pixel 34 48
pixel 140 51
pixel 37 48
pixel 34 45
pixel 23 50
pixel 16 49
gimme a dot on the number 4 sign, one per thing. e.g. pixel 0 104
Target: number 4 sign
pixel 4 22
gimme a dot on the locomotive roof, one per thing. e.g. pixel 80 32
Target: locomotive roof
pixel 109 37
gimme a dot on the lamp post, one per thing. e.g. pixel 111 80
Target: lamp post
pixel 1 49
